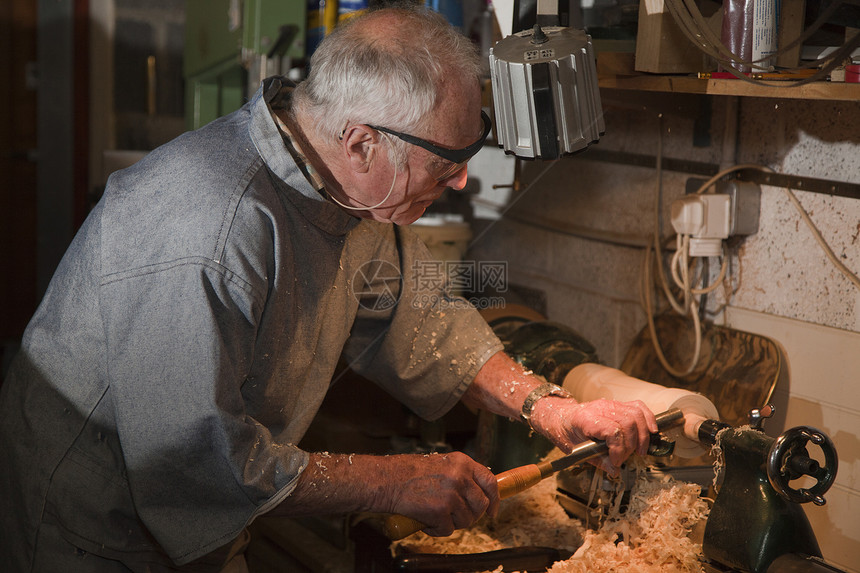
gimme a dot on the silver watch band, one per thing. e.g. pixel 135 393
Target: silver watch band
pixel 545 389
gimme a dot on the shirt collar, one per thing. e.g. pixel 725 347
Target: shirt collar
pixel 278 149
pixel 269 140
pixel 280 101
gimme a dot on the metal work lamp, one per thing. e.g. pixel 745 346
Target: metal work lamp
pixel 545 91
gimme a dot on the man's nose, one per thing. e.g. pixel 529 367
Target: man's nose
pixel 457 180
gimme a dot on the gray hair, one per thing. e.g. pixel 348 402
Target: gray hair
pixel 391 79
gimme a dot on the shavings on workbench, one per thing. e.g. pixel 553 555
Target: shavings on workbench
pixel 531 518
pixel 653 533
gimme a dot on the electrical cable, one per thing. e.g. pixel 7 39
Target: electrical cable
pixel 680 269
pixel 694 26
pixel 678 307
pixel 822 19
pixel 653 330
pixel 689 306
pixel 816 234
pixel 724 267
pixel 820 239
pixel 703 297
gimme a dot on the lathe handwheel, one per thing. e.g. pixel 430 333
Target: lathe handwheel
pixel 788 460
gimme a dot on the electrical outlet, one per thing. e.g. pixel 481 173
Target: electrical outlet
pixel 706 218
pixel 746 205
pixel 709 218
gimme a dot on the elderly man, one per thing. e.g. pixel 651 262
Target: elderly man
pixel 192 329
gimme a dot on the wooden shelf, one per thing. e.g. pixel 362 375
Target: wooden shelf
pixel 615 71
pixel 771 89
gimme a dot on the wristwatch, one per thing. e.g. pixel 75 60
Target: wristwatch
pixel 545 389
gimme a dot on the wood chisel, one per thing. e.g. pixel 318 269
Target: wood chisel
pixel 519 479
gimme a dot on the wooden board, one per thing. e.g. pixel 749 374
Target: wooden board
pixel 661 47
pixel 737 370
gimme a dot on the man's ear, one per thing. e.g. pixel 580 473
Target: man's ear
pixel 360 145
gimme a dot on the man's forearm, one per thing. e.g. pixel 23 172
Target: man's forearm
pixel 340 483
pixel 335 484
pixel 444 491
pixel 501 386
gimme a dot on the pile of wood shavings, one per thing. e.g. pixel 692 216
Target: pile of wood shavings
pixel 652 535
pixel 530 518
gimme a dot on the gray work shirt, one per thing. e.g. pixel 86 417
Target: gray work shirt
pixel 187 341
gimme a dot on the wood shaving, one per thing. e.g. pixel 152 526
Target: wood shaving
pixel 651 535
pixel 532 517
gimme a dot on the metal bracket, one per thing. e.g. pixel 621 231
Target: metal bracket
pixel 797 182
pixel 811 184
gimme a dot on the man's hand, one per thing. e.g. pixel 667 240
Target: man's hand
pixel 443 491
pixel 624 426
pixel 502 385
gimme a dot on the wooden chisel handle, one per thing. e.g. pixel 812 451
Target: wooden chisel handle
pixel 397 526
pixel 510 482
pixel 519 479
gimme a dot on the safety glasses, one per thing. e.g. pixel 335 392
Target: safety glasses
pixel 455 159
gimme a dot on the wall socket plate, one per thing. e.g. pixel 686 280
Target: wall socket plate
pixel 745 202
